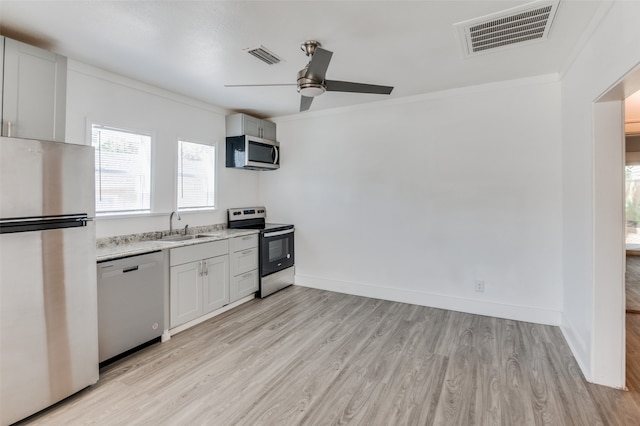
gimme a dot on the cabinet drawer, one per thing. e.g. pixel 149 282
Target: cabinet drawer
pixel 244 261
pixel 244 285
pixel 243 243
pixel 180 255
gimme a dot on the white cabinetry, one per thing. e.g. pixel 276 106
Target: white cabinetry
pixel 244 267
pixel 215 285
pixel 185 302
pixel 243 124
pixel 34 92
pixel 199 280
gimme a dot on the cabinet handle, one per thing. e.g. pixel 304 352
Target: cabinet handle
pixel 200 268
pixel 206 267
pixel 247 275
pixel 9 128
pixel 247 251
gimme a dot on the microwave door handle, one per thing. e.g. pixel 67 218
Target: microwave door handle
pixel 275 149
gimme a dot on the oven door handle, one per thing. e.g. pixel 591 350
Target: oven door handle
pixel 278 233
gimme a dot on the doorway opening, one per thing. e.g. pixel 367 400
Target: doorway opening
pixel 608 346
pixel 632 173
pixel 632 207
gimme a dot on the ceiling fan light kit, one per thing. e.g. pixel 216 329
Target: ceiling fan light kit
pixel 308 87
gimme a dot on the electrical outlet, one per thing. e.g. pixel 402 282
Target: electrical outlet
pixel 480 286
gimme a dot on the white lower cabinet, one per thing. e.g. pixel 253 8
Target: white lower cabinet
pixel 244 285
pixel 207 276
pixel 215 285
pixel 199 280
pixel 186 293
pixel 245 279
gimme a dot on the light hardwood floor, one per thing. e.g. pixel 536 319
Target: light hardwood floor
pixel 305 356
pixel 632 283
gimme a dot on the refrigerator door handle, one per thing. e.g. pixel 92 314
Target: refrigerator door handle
pixel 28 224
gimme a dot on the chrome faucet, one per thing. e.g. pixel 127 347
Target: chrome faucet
pixel 171 220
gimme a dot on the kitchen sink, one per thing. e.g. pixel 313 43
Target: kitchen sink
pixel 174 238
pixel 209 235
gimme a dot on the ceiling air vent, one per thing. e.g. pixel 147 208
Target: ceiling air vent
pixel 264 55
pixel 524 24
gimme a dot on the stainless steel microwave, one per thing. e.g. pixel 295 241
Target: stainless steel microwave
pixel 250 152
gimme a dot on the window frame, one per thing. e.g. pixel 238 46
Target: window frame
pixel 152 167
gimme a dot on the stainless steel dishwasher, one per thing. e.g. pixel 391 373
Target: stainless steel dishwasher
pixel 130 303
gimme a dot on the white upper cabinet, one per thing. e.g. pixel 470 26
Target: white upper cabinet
pixel 243 124
pixel 34 92
pixel 268 129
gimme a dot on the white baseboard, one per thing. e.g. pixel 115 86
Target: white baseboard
pixel 472 306
pixel 578 347
pixel 173 331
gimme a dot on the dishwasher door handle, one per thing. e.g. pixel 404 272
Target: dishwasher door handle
pixel 119 271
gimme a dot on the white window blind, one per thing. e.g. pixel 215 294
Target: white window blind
pixel 123 170
pixel 196 175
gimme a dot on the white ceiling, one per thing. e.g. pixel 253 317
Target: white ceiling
pixel 196 47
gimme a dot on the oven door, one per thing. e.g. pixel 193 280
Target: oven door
pixel 276 251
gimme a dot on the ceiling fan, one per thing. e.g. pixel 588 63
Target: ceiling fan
pixel 311 79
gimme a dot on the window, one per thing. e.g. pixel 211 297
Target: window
pixel 123 170
pixel 196 175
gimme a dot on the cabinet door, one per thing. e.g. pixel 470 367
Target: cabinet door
pixel 185 293
pixel 269 130
pixel 244 285
pixel 215 283
pixel 251 125
pixel 34 92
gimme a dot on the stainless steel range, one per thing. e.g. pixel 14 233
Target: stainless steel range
pixel 276 247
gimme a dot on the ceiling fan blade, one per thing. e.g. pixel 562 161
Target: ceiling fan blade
pixel 317 68
pixel 347 86
pixel 305 102
pixel 259 85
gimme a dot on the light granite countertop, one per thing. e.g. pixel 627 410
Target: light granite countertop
pixel 131 245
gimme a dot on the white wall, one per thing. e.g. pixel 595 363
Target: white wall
pixel 413 200
pixel 96 96
pixel 592 313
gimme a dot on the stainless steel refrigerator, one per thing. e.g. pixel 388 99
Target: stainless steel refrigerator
pixel 48 294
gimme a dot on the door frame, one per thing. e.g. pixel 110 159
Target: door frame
pixel 608 348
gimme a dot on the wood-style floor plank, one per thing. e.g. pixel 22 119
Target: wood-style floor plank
pixel 632 281
pixel 310 357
